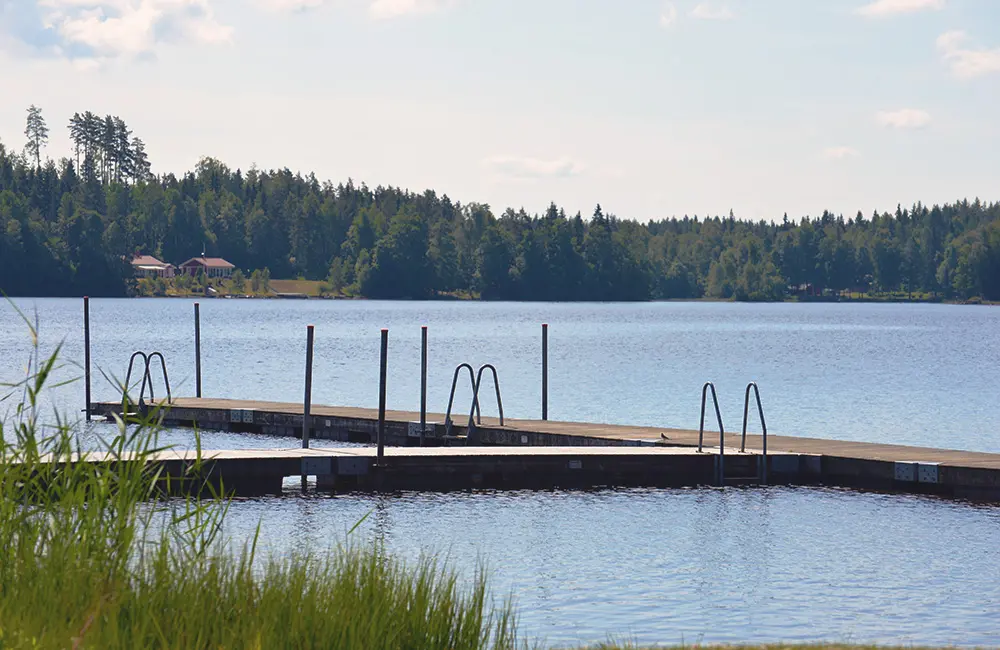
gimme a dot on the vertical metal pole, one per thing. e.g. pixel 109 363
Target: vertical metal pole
pixel 307 404
pixel 545 371
pixel 381 396
pixel 423 383
pixel 86 352
pixel 197 349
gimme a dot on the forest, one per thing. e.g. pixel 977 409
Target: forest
pixel 70 227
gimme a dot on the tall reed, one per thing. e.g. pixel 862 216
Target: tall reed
pixel 93 555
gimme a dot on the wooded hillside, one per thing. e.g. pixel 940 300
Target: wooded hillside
pixel 67 227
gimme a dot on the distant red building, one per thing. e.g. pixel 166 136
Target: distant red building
pixel 214 267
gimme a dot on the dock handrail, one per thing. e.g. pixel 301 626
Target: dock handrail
pixel 451 397
pixel 763 427
pixel 722 430
pixel 147 378
pixel 475 398
pixel 128 376
pixel 166 380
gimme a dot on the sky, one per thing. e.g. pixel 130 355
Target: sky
pixel 652 108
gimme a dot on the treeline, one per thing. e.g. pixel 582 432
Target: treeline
pixel 108 144
pixel 68 228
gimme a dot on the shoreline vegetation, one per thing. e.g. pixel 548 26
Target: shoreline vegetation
pixel 71 225
pixel 96 555
pixel 239 288
pixel 318 290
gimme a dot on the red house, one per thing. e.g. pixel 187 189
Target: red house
pixel 214 267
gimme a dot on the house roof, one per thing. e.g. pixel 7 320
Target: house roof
pixel 148 260
pixel 209 262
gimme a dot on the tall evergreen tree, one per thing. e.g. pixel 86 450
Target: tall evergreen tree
pixel 37 133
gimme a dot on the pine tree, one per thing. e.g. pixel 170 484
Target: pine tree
pixel 109 140
pixel 140 161
pixel 91 128
pixel 37 133
pixel 124 161
pixel 77 135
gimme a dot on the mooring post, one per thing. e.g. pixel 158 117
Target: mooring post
pixel 197 349
pixel 86 352
pixel 545 371
pixel 381 396
pixel 423 382
pixel 307 404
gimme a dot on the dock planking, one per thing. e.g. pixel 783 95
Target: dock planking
pixel 531 453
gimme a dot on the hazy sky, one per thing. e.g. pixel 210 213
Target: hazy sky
pixel 652 108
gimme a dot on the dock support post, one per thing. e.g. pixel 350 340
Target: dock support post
pixel 307 403
pixel 545 371
pixel 423 383
pixel 197 349
pixel 86 352
pixel 380 439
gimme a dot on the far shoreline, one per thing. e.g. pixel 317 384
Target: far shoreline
pixel 451 298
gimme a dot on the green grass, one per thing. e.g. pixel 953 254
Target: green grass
pixel 312 288
pixel 92 555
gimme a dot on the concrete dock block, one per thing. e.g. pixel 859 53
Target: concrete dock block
pixel 353 466
pixel 927 473
pixel 317 466
pixel 905 471
pixel 784 464
pixel 413 429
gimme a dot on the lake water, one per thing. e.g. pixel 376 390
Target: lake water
pixel 911 374
pixel 670 565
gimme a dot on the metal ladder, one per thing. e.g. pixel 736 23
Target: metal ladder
pixel 451 398
pixel 147 380
pixel 475 413
pixel 762 465
pixel 720 468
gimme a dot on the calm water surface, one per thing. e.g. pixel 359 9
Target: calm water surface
pixel 730 565
pixel 912 374
pixel 671 565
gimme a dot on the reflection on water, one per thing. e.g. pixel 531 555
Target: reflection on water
pixel 730 565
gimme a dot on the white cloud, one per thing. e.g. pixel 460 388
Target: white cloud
pixel 668 15
pixel 839 153
pixel 881 8
pixel 377 9
pixel 705 11
pixel 94 31
pixel 904 118
pixel 291 5
pixel 967 63
pixel 521 167
pixel 385 9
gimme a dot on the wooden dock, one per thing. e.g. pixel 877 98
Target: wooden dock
pixel 254 472
pixel 540 454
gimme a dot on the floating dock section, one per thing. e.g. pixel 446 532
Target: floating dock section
pixel 547 454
